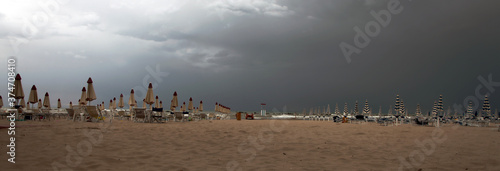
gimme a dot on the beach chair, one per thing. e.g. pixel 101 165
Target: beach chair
pixel 211 116
pixel 203 116
pixel 178 116
pixel 93 114
pixel 71 113
pixel 122 115
pixel 139 113
pixel 169 116
pixel 157 115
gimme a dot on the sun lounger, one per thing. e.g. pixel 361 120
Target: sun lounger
pixel 92 114
pixel 178 116
pixel 140 113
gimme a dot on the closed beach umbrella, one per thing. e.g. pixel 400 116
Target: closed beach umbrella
pixel 33 98
pixel 157 103
pixel 39 103
pixel 58 103
pixel 216 107
pixel 1 102
pixel 83 98
pixel 201 106
pixel 110 104
pixel 183 106
pixel 70 105
pixel 131 99
pixel 18 88
pixel 190 105
pixel 46 100
pixel 27 105
pixel 114 102
pixel 175 102
pixel 120 102
pixel 172 108
pixel 161 104
pixel 144 103
pixel 90 91
pixel 150 98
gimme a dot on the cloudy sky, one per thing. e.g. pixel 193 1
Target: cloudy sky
pixel 242 53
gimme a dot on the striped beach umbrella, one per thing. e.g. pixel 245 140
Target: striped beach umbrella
pixel 366 109
pixel 397 109
pixel 356 110
pixel 486 110
pixel 435 109
pixel 418 112
pixel 346 110
pixel 402 108
pixel 440 105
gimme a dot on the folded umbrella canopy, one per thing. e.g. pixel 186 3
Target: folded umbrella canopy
pixel 114 102
pixel 40 103
pixel 157 103
pixel 150 98
pixel 174 102
pixel 18 88
pixel 201 106
pixel 190 105
pixel 90 92
pixel 83 98
pixel 70 105
pixel 33 98
pixel 120 102
pixel 46 100
pixel 161 104
pixel 58 103
pixel 131 99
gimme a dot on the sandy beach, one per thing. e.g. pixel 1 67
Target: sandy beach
pixel 249 145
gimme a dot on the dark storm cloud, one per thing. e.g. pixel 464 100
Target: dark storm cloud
pixel 241 53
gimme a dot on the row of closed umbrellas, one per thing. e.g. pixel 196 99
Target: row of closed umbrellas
pixel 88 95
pixel 18 93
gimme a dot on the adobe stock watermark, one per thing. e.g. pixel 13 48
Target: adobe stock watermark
pixel 83 149
pixel 156 74
pixel 39 20
pixel 257 143
pixel 372 29
pixel 428 146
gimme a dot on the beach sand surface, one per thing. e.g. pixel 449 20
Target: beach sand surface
pixel 248 145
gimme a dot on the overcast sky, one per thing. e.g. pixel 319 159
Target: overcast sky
pixel 242 53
